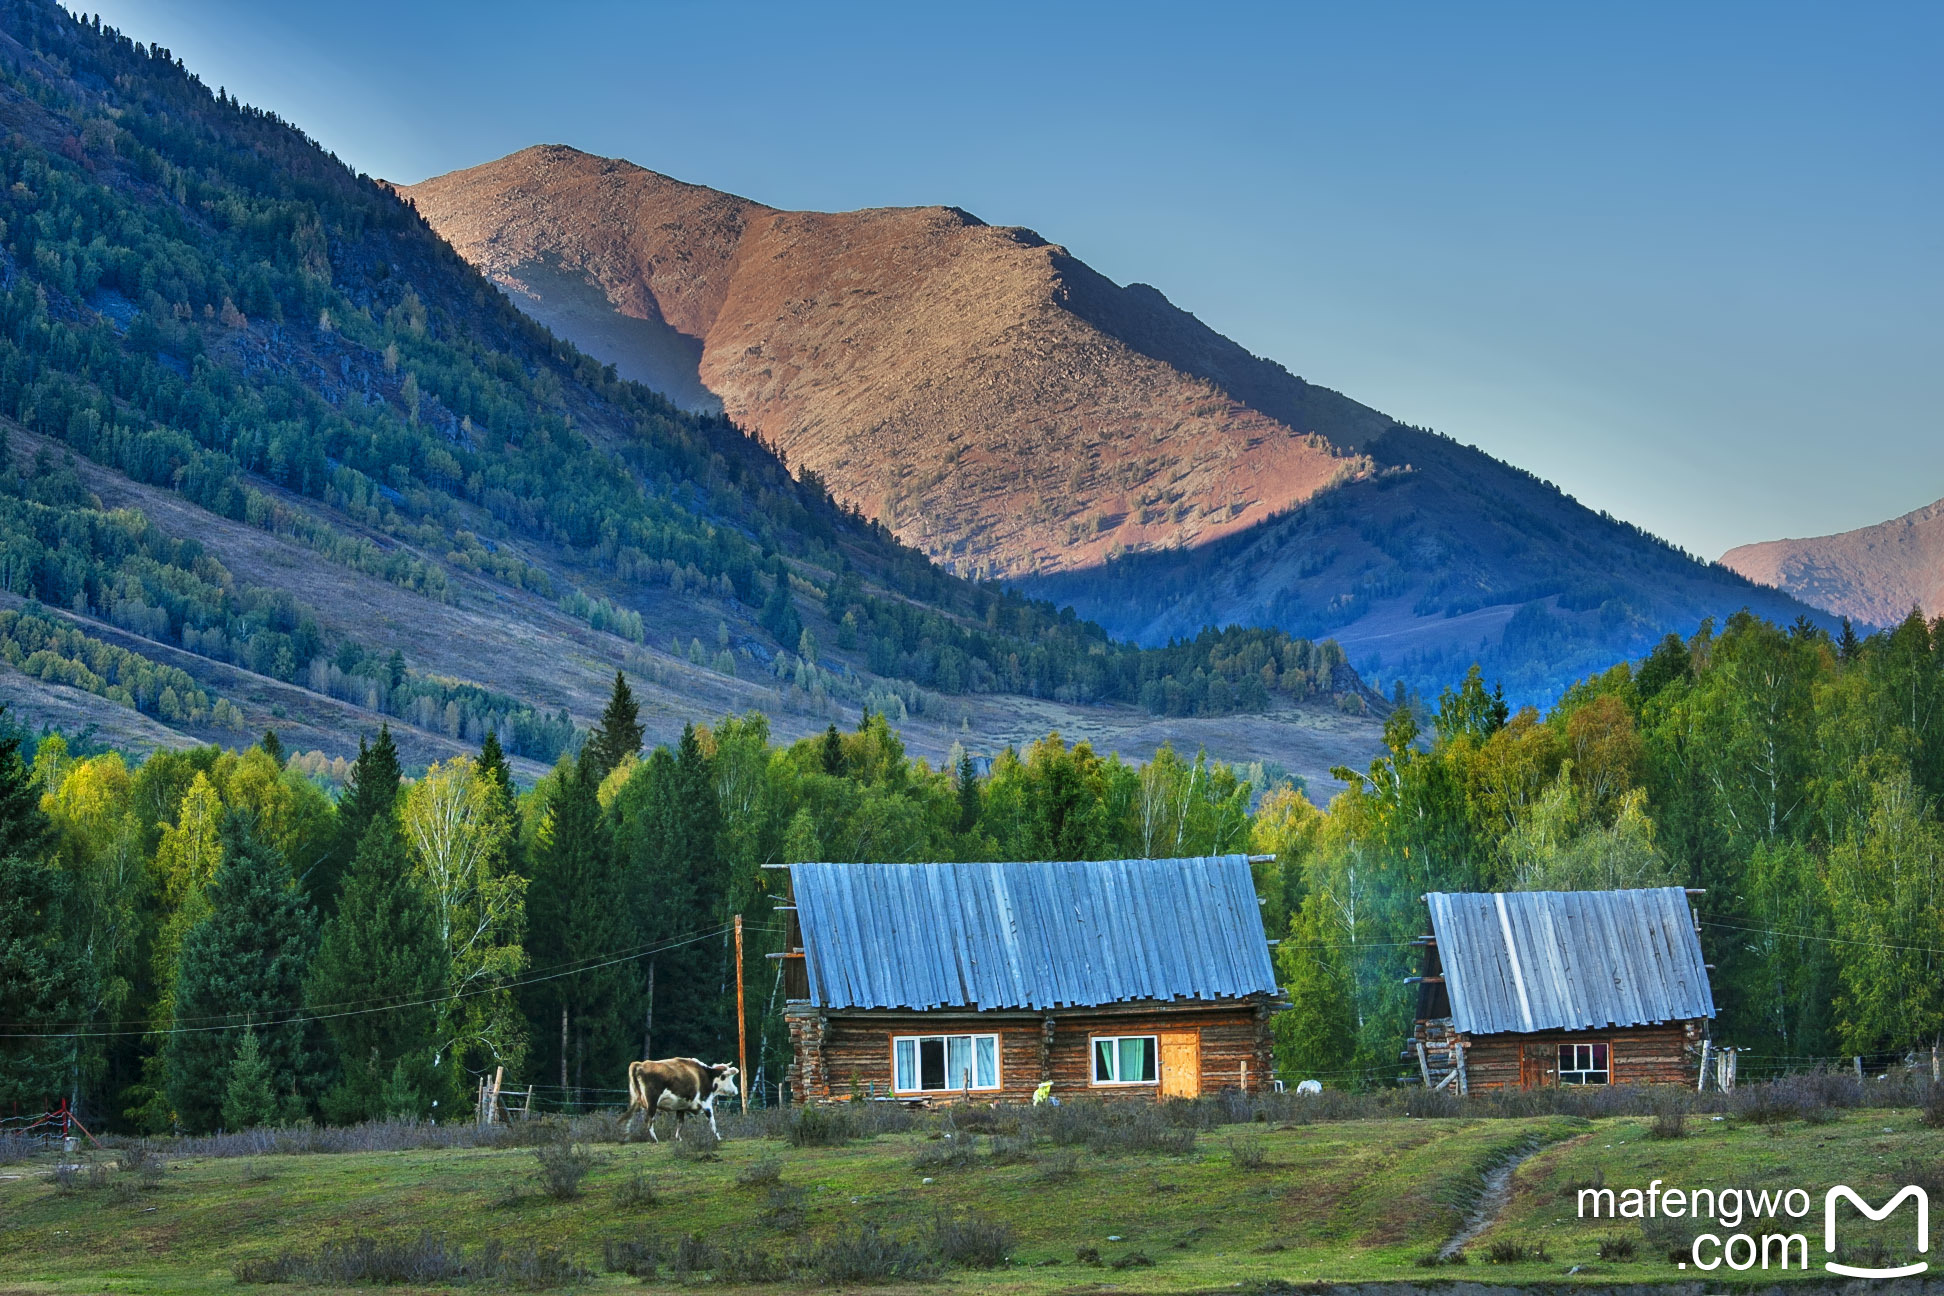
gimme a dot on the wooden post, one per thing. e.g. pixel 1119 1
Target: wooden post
pixel 648 1023
pixel 1701 1081
pixel 563 1052
pixel 1858 1060
pixel 742 1023
pixel 1424 1064
pixel 1458 1056
pixel 1245 1075
pixel 1937 1073
pixel 479 1102
pixel 493 1096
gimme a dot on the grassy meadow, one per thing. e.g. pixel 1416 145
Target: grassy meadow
pixel 1081 1201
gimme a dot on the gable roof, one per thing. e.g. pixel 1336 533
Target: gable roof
pixel 1569 960
pixel 1031 935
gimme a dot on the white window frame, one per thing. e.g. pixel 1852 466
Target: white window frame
pixel 972 1039
pixel 1582 1072
pixel 1093 1060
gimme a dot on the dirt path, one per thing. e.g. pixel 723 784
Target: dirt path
pixel 1494 1196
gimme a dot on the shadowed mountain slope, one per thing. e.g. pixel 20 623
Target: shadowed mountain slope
pixel 1873 575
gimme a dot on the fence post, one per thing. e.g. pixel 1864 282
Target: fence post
pixel 1701 1080
pixel 1458 1054
pixel 1936 1075
pixel 1858 1060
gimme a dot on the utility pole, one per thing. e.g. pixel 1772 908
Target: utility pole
pixel 742 1023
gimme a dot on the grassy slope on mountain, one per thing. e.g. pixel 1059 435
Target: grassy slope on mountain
pixel 261 352
pixel 1443 558
pixel 1003 405
pixel 992 399
pixel 1874 575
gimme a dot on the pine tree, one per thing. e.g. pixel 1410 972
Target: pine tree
pixel 370 792
pixel 1849 645
pixel 578 918
pixel 619 736
pixel 248 1100
pixel 243 964
pixel 492 765
pixel 830 752
pixel 273 746
pixel 382 949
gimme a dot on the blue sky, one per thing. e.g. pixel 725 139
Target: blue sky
pixel 1686 261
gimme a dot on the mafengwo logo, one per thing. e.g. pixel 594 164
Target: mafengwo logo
pixel 1742 1250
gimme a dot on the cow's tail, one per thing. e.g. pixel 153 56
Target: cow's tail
pixel 638 1091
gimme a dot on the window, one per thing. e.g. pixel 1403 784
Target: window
pixel 944 1063
pixel 1583 1064
pixel 1125 1059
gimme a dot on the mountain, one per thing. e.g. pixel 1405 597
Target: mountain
pixel 273 455
pixel 975 388
pixel 1873 575
pixel 1013 413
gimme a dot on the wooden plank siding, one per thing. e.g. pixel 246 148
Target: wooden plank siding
pixel 838 1054
pixel 1667 1053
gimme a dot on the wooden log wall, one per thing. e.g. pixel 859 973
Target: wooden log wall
pixel 838 1054
pixel 1665 1054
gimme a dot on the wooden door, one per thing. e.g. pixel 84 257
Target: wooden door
pixel 1535 1066
pixel 1181 1064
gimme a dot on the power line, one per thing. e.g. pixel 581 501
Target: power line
pixel 675 942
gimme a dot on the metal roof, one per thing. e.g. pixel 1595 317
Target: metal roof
pixel 1042 935
pixel 1569 960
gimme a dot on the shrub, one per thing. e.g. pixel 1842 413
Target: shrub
pixel 865 1255
pixel 1509 1251
pixel 1059 1167
pixel 970 1240
pixel 1617 1247
pixel 696 1145
pixel 636 1257
pixel 1932 1112
pixel 1668 1125
pixel 562 1168
pixel 785 1212
pixel 766 1173
pixel 1132 1260
pixel 428 1259
pixel 1248 1153
pixel 637 1192
pixel 951 1152
pixel 1010 1149
pixel 821 1126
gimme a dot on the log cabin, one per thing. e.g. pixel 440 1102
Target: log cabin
pixel 1528 989
pixel 1113 979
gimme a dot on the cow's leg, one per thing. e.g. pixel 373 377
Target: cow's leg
pixel 709 1107
pixel 651 1102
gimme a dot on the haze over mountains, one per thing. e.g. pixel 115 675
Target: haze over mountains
pixel 1011 412
pixel 1873 575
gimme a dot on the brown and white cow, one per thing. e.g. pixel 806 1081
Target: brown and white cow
pixel 681 1085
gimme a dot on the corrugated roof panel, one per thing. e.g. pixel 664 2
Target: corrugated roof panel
pixel 1569 960
pixel 1031 935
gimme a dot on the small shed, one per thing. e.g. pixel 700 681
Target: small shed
pixel 1536 988
pixel 1139 978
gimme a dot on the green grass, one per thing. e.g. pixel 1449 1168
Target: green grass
pixel 1348 1200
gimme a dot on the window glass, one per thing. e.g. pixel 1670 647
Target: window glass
pixel 1125 1059
pixel 1133 1060
pixel 958 1061
pixel 921 1063
pixel 1584 1064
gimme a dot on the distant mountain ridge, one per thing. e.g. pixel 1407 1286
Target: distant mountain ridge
pixel 1013 413
pixel 975 388
pixel 1873 575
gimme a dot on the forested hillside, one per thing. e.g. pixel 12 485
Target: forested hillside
pixel 1795 777
pixel 267 430
pixel 207 938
